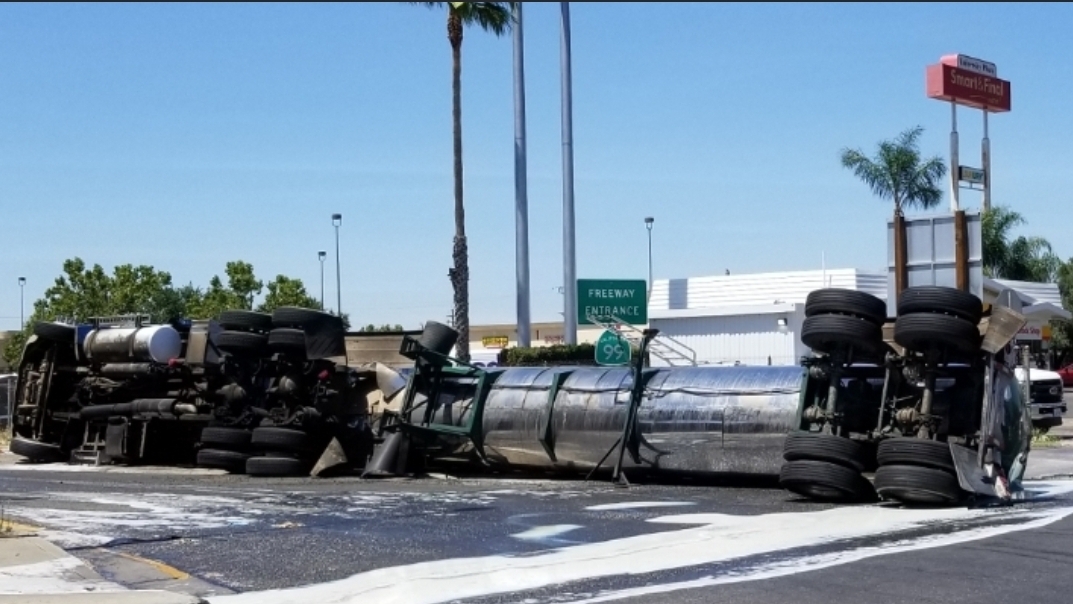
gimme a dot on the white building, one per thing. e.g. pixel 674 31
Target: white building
pixel 755 319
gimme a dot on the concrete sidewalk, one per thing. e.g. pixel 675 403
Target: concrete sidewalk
pixel 35 571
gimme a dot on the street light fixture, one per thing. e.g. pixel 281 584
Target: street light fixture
pixel 320 256
pixel 22 313
pixel 337 219
pixel 648 225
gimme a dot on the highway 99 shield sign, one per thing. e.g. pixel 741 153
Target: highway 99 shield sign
pixel 610 301
pixel 612 349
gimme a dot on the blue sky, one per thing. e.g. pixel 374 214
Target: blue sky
pixel 184 136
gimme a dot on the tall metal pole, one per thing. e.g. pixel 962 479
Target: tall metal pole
pixel 22 302
pixel 648 225
pixel 521 196
pixel 955 204
pixel 337 219
pixel 320 256
pixel 986 164
pixel 569 257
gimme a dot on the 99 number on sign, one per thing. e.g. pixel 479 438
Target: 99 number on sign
pixel 615 353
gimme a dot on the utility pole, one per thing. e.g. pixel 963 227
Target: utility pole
pixel 569 251
pixel 521 196
pixel 337 220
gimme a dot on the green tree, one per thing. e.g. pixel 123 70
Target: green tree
pixel 385 327
pixel 494 17
pixel 242 282
pixel 1019 259
pixel 1062 331
pixel 898 173
pixel 284 291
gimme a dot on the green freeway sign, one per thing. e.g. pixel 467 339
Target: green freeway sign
pixel 626 300
pixel 612 349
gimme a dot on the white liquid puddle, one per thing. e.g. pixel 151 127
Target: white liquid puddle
pixel 631 505
pixel 718 538
pixel 51 576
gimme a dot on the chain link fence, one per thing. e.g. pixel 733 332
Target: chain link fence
pixel 7 401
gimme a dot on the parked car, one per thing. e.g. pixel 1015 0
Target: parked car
pixel 1066 373
pixel 1047 404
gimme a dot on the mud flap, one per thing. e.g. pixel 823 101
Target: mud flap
pixel 971 476
pixel 332 461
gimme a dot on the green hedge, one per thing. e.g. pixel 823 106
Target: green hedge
pixel 543 356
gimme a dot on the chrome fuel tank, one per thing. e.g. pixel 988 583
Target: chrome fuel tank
pixel 700 419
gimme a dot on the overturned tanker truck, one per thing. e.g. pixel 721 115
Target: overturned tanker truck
pixel 921 409
pixel 248 392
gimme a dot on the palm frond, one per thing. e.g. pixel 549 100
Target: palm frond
pixel 870 172
pixel 494 17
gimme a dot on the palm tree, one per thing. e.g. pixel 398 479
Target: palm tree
pixel 493 17
pixel 1020 259
pixel 898 173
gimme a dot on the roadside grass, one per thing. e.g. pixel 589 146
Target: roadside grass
pixel 1041 437
pixel 5 440
pixel 6 528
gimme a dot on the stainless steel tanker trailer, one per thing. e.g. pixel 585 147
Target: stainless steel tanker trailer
pixel 248 392
pixel 925 405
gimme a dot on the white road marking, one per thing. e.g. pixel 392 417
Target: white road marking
pixel 541 533
pixel 630 505
pixel 718 538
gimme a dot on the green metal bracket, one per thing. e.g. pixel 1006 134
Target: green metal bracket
pixel 637 395
pixel 547 432
pixel 473 428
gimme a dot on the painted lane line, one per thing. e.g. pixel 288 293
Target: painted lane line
pixel 541 533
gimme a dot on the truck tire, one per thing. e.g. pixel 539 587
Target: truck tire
pixel 916 452
pixel 286 440
pixel 245 320
pixel 824 481
pixel 288 340
pixel 834 301
pixel 277 466
pixel 232 461
pixel 36 451
pixel 943 300
pixel 231 439
pixel 924 331
pixel 55 332
pixel 825 333
pixel 815 446
pixel 914 485
pixel 438 337
pixel 242 342
pixel 293 317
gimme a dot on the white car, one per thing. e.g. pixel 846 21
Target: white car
pixel 1047 403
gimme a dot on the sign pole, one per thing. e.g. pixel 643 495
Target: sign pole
pixel 985 159
pixel 955 204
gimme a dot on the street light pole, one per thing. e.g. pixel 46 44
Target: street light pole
pixel 22 305
pixel 648 225
pixel 337 219
pixel 320 256
pixel 570 317
pixel 521 196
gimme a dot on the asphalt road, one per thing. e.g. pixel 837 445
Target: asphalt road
pixel 491 541
pixel 537 541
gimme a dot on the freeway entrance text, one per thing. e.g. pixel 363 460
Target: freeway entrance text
pixel 626 300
